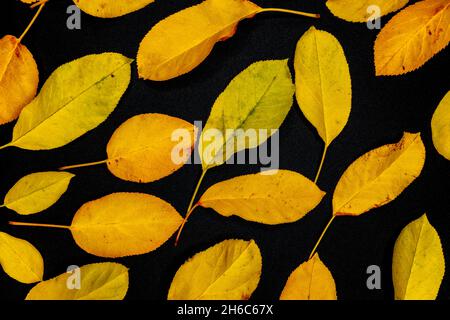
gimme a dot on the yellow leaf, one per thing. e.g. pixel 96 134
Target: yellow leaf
pixel 418 263
pixel 229 270
pixel 363 10
pixel 310 281
pixel 111 8
pixel 379 176
pixel 20 259
pixel 98 281
pixel 36 192
pixel 440 126
pixel 76 98
pixel 248 112
pixel 272 197
pixel 323 83
pixel 124 224
pixel 412 37
pixel 29 1
pixel 19 78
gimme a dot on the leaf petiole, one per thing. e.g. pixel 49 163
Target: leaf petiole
pixel 324 154
pixel 41 5
pixel 89 164
pixel 321 237
pixel 43 225
pixel 299 13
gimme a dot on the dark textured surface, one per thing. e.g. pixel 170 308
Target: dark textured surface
pixel 383 107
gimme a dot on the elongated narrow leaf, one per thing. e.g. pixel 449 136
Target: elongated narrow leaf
pixel 179 43
pixel 310 281
pixel 111 8
pixel 379 176
pixel 37 191
pixel 229 270
pixel 19 78
pixel 418 264
pixel 76 98
pixel 412 37
pixel 98 281
pixel 124 224
pixel 323 83
pixel 20 259
pixel 280 196
pixel 440 126
pixel 248 112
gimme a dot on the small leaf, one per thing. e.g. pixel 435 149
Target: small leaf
pixel 19 78
pixel 323 83
pixel 98 281
pixel 440 126
pixel 20 259
pixel 276 197
pixel 418 263
pixel 412 37
pixel 110 8
pixel 75 99
pixel 36 192
pixel 258 99
pixel 229 270
pixel 379 176
pixel 310 281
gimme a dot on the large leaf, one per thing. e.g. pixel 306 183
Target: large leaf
pixel 440 126
pixel 110 8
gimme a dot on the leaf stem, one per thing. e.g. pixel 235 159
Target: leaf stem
pixel 299 13
pixel 41 6
pixel 43 225
pixel 324 154
pixel 89 164
pixel 321 236
pixel 184 222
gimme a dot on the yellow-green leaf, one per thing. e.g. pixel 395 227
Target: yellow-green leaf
pixel 248 112
pixel 19 78
pixel 271 197
pixel 379 176
pixel 229 270
pixel 418 264
pixel 310 281
pixel 363 10
pixel 111 8
pixel 98 281
pixel 37 191
pixel 76 98
pixel 440 127
pixel 124 224
pixel 412 37
pixel 323 84
pixel 20 259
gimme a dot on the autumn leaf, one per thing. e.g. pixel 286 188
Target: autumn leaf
pixel 98 281
pixel 271 197
pixel 37 191
pixel 379 176
pixel 360 11
pixel 310 281
pixel 179 43
pixel 418 263
pixel 29 1
pixel 110 8
pixel 20 259
pixel 76 98
pixel 412 37
pixel 440 127
pixel 229 270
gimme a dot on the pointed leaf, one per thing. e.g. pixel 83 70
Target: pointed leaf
pixel 440 126
pixel 110 8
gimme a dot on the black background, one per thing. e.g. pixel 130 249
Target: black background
pixel 382 109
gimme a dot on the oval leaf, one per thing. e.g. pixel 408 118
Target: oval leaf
pixel 248 112
pixel 323 84
pixel 440 127
pixel 20 259
pixel 143 148
pixel 179 43
pixel 110 8
pixel 19 78
pixel 418 264
pixel 76 98
pixel 229 270
pixel 37 191
pixel 310 281
pixel 271 197
pixel 124 224
pixel 98 281
pixel 379 176
pixel 412 37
